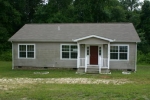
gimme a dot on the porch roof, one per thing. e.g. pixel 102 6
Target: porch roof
pixel 120 32
pixel 87 37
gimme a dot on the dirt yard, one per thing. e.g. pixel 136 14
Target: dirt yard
pixel 7 83
pixel 63 81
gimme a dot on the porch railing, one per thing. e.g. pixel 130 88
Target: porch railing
pixel 103 63
pixel 83 63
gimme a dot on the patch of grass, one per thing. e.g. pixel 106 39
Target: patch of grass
pixel 138 90
pixel 77 92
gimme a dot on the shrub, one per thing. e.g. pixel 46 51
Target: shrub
pixel 6 56
pixel 143 58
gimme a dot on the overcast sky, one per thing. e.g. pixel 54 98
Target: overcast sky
pixel 141 0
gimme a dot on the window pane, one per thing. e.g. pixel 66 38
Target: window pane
pixel 30 54
pixel 113 55
pixel 123 56
pixel 22 55
pixel 73 54
pixel 22 47
pixel 65 48
pixel 113 48
pixel 87 50
pixel 123 49
pixel 74 48
pixel 30 47
pixel 99 50
pixel 65 54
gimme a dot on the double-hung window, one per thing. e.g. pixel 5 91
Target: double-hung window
pixel 26 51
pixel 69 51
pixel 119 52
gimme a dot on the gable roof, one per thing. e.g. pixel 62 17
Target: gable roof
pixel 120 32
pixel 91 36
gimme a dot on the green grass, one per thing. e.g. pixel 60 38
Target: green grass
pixel 138 90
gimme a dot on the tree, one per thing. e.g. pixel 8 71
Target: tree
pixel 144 27
pixel 56 11
pixel 130 5
pixel 10 18
pixel 26 8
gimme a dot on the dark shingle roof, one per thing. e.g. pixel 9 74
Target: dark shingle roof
pixel 120 32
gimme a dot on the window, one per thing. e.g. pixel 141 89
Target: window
pixel 26 51
pixel 100 51
pixel 69 51
pixel 88 50
pixel 119 52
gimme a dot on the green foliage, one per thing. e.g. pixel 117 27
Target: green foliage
pixel 145 20
pixel 6 56
pixel 143 58
pixel 15 13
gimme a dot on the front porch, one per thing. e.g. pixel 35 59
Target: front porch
pixel 102 67
pixel 93 53
pixel 93 58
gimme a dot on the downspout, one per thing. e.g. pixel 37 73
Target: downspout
pixel 136 57
pixel 12 56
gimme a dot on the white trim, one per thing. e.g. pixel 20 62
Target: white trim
pixel 88 56
pixel 69 51
pixel 78 55
pixel 88 45
pixel 95 36
pixel 26 51
pixel 101 53
pixel 108 56
pixel 118 52
pixel 12 56
pixel 136 58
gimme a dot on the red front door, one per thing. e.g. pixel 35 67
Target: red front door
pixel 94 55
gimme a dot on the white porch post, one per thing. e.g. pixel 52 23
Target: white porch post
pixel 108 55
pixel 78 57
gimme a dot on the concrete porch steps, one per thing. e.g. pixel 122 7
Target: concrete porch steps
pixel 93 70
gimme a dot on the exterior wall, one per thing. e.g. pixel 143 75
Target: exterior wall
pixel 82 50
pixel 130 64
pixel 105 51
pixel 46 55
pixel 93 41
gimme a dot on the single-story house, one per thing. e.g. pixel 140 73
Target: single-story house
pixel 78 45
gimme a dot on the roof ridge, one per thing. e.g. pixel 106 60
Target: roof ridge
pixel 72 23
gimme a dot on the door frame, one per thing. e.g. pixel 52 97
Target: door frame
pixel 88 56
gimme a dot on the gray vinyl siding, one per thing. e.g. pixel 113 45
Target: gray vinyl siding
pixel 105 51
pixel 47 55
pixel 130 64
pixel 82 50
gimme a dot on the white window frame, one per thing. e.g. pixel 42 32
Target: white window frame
pixel 26 52
pixel 68 51
pixel 119 52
